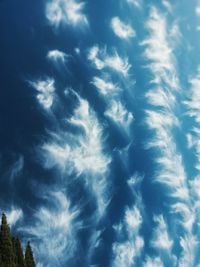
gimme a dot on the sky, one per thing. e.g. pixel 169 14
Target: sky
pixel 100 130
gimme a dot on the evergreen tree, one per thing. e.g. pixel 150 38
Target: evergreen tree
pixel 1 262
pixel 19 257
pixel 14 252
pixel 6 247
pixel 29 260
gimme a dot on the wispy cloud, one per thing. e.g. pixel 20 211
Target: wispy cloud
pixel 101 59
pixel 161 239
pixel 159 52
pixel 119 115
pixel 68 12
pixel 16 168
pixel 153 262
pixel 14 215
pixel 168 5
pixel 82 153
pixel 54 228
pixel 46 91
pixel 57 55
pixel 136 3
pixel 121 29
pixel 161 117
pixel 130 243
pixel 104 85
pixel 193 112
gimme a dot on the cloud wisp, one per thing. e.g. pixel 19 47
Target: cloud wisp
pixel 66 12
pixel 122 30
pixel 54 229
pixel 161 118
pixel 129 242
pixel 46 91
pixel 101 60
pixel 81 154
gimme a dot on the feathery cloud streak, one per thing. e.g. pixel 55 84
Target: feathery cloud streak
pixel 122 30
pixel 67 12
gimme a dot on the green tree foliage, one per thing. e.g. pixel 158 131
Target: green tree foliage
pixel 29 256
pixel 6 247
pixel 11 252
pixel 19 257
pixel 1 262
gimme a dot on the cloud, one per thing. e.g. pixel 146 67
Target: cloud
pixel 105 86
pixel 193 112
pixel 129 243
pixel 153 262
pixel 192 103
pixel 159 52
pixel 101 59
pixel 122 30
pixel 54 229
pixel 46 91
pixel 17 167
pixel 161 98
pixel 14 215
pixel 162 119
pixel 67 12
pixel 82 153
pixel 57 55
pixel 197 10
pixel 136 3
pixel 189 246
pixel 119 115
pixel 133 219
pixel 167 5
pixel 161 239
pixel 126 252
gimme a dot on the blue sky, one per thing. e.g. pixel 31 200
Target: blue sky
pixel 100 130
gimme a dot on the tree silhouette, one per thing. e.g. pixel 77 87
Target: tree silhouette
pixel 29 260
pixel 11 253
pixel 19 257
pixel 6 247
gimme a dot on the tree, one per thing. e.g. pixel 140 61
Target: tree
pixel 6 247
pixel 29 260
pixel 1 262
pixel 19 257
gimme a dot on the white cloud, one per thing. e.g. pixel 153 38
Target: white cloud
pixel 161 239
pixel 161 98
pixel 136 3
pixel 14 215
pixel 122 30
pixel 57 55
pixel 133 219
pixel 46 89
pixel 82 153
pixel 197 10
pixel 167 5
pixel 119 115
pixel 159 52
pixel 162 119
pixel 54 230
pixel 189 246
pixel 153 262
pixel 129 243
pixel 69 12
pixel 105 86
pixel 100 59
pixel 126 252
pixel 17 167
pixel 193 112
pixel 192 103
